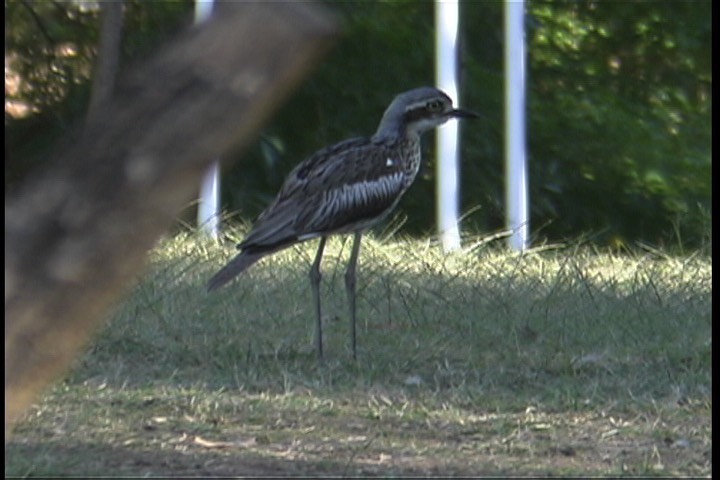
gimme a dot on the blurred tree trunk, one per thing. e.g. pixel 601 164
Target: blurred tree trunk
pixel 108 57
pixel 76 234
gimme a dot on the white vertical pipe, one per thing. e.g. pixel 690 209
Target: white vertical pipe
pixel 446 33
pixel 209 202
pixel 515 153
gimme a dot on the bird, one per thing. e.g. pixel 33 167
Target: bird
pixel 345 188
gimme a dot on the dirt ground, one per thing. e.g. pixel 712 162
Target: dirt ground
pixel 295 444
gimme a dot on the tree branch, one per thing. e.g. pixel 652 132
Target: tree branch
pixel 76 236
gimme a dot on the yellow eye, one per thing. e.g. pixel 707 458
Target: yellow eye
pixel 434 106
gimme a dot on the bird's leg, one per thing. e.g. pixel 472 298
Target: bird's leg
pixel 315 277
pixel 350 280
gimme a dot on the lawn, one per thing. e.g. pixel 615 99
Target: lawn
pixel 560 361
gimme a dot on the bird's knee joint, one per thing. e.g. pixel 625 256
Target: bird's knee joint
pixel 315 275
pixel 350 280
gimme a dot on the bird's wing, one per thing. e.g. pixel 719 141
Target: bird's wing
pixel 337 189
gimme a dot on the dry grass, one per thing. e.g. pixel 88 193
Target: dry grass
pixel 561 361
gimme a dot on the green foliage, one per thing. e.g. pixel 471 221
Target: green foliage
pixel 619 107
pixel 51 46
pixel 620 129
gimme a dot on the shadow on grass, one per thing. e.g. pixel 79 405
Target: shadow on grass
pixel 480 363
pixel 83 459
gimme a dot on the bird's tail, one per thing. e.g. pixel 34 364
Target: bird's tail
pixel 236 266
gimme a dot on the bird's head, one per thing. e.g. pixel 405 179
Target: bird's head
pixel 419 110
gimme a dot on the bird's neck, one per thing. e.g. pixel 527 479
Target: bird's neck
pixel 392 128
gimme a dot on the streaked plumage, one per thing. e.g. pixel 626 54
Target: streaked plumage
pixel 343 188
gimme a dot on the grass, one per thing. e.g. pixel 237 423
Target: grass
pixel 559 361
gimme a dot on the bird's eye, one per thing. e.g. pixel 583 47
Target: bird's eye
pixel 434 106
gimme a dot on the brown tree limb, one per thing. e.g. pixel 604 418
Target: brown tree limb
pixel 76 235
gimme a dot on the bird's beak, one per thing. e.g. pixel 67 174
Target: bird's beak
pixel 460 113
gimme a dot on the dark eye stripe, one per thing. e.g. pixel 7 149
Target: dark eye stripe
pixel 420 112
pixel 434 106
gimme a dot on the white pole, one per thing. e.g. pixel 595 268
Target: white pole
pixel 209 202
pixel 515 153
pixel 446 33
